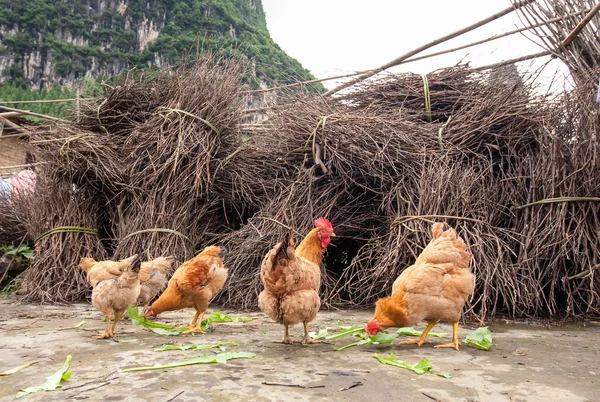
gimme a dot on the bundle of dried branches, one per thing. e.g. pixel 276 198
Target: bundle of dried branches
pixel 63 222
pixel 170 168
pixel 573 38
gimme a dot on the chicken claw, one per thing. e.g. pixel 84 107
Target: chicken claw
pixel 423 338
pixel 455 342
pixel 104 335
pixel 286 341
pixel 108 332
pixel 454 345
pixel 193 329
pixel 413 341
pixel 308 340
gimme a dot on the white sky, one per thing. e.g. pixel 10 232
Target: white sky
pixel 333 37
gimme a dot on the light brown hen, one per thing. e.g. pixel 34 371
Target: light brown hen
pixel 435 288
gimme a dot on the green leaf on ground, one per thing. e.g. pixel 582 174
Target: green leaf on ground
pixel 204 359
pixel 73 327
pixel 156 327
pixel 346 331
pixel 16 369
pixel 53 382
pixel 422 367
pixel 322 334
pixel 480 339
pixel 382 338
pixel 221 345
pixel 410 331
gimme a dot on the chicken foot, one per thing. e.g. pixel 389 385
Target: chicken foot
pixel 307 339
pixel 194 327
pixel 286 337
pixel 108 333
pixel 455 342
pixel 423 338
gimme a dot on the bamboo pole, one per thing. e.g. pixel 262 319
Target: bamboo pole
pixel 9 124
pixel 30 113
pixel 435 42
pixel 581 25
pixel 43 101
pixel 515 60
pixel 8 115
pixel 426 56
pixel 493 38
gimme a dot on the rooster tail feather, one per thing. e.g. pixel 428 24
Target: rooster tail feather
pixel 288 240
pixel 136 264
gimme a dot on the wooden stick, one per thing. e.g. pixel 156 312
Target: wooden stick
pixel 581 25
pixel 493 38
pixel 8 115
pixel 558 200
pixel 435 42
pixel 256 91
pixel 10 124
pixel 584 274
pixel 516 60
pixel 29 113
pixel 43 101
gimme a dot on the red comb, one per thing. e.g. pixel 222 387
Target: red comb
pixel 324 223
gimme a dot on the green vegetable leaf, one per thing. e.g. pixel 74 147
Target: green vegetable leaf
pixel 410 331
pixel 347 331
pixel 204 359
pixel 201 346
pixel 53 382
pixel 421 367
pixel 73 327
pixel 445 375
pixel 382 338
pixel 481 339
pixel 322 334
pixel 220 317
pixel 156 327
pixel 16 369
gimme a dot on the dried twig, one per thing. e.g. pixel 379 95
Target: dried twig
pixel 293 385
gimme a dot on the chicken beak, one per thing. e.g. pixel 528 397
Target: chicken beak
pixel 332 234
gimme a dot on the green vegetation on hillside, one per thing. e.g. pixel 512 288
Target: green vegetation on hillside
pixel 84 37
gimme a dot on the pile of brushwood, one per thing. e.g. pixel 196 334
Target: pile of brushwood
pixel 166 163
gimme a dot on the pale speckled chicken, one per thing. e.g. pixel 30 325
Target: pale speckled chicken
pixel 292 277
pixel 112 296
pixel 153 274
pixel 435 288
pixel 193 284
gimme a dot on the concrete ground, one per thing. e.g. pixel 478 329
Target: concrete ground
pixel 527 363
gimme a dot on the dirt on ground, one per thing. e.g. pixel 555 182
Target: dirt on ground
pixel 532 362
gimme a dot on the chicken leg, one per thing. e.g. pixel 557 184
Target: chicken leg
pixel 423 338
pixel 194 327
pixel 286 336
pixel 307 339
pixel 455 342
pixel 107 332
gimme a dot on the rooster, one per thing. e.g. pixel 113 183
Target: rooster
pixel 435 288
pixel 193 284
pixel 113 296
pixel 292 277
